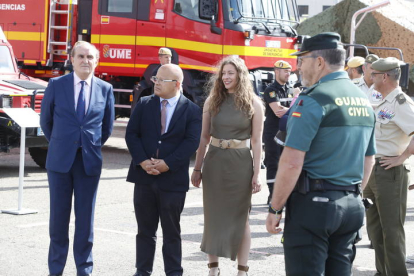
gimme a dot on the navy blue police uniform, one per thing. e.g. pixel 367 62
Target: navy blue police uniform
pixel 275 92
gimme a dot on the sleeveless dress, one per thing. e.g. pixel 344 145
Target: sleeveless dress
pixel 227 189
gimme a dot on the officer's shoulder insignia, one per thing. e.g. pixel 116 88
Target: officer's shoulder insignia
pixel 400 98
pixel 355 81
pixel 272 94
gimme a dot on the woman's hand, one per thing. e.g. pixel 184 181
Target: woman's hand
pixel 256 187
pixel 196 178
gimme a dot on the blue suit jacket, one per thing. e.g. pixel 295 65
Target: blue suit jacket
pixel 62 128
pixel 176 146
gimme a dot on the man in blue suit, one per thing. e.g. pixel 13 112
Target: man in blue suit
pixel 162 134
pixel 77 118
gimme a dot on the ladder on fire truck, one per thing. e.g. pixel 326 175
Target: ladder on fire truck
pixel 55 45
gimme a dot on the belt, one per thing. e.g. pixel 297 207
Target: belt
pixel 323 185
pixel 230 143
pixel 377 159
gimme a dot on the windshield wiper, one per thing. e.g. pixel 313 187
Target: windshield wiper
pixel 266 28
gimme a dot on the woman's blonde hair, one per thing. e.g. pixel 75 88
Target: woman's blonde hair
pixel 243 95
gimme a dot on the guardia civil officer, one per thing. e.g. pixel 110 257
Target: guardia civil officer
pixel 387 186
pixel 277 104
pixel 329 153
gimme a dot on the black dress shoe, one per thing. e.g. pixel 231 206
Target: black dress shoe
pixel 137 274
pixel 55 274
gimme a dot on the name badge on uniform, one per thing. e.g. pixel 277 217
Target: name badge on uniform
pixel 385 115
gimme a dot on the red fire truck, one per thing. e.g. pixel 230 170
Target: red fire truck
pixel 129 33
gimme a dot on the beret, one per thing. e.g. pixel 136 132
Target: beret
pixel 281 64
pixel 371 58
pixel 355 62
pixel 164 51
pixel 386 64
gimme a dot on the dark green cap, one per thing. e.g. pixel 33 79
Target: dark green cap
pixel 386 64
pixel 323 41
pixel 371 58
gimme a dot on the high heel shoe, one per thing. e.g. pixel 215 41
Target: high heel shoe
pixel 213 265
pixel 243 268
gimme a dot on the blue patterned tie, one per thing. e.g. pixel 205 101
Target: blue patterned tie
pixel 80 108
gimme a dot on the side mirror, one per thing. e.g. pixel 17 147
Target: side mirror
pixel 213 28
pixel 207 9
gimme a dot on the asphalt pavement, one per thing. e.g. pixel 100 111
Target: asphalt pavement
pixel 24 239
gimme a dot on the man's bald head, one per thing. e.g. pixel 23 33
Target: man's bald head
pixel 174 71
pixel 170 78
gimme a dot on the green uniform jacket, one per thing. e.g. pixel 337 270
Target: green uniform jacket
pixel 333 122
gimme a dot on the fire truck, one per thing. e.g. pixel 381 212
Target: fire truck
pixel 128 34
pixel 17 90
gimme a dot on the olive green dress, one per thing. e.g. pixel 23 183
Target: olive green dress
pixel 227 190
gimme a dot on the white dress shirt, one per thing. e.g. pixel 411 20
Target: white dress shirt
pixel 86 90
pixel 171 105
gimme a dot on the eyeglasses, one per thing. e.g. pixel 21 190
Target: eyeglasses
pixel 302 57
pixel 154 79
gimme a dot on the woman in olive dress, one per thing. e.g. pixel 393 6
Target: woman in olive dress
pixel 232 124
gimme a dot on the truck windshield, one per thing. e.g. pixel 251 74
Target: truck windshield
pixel 6 63
pixel 265 11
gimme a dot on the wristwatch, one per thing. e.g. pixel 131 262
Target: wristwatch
pixel 274 211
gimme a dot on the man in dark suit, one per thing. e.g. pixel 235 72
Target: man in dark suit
pixel 162 134
pixel 77 118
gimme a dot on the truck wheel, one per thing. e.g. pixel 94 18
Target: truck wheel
pixel 39 156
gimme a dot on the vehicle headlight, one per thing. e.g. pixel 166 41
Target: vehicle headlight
pixel 6 101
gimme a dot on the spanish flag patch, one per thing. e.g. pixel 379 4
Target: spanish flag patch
pixel 296 114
